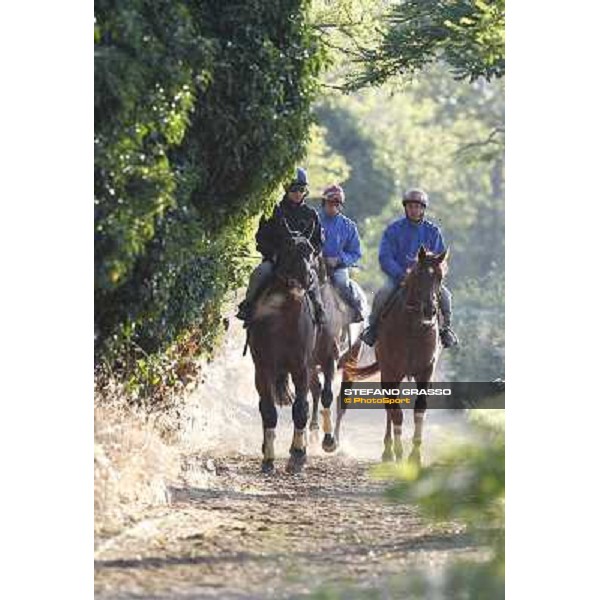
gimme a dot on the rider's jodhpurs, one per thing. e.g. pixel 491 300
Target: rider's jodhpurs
pixel 340 278
pixel 258 279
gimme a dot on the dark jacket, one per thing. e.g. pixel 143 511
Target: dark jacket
pixel 299 217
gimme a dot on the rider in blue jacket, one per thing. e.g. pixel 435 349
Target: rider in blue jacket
pixel 341 248
pixel 397 252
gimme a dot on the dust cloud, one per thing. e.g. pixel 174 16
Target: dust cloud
pixel 222 416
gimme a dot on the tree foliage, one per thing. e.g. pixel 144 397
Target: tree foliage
pixel 432 135
pixel 465 35
pixel 345 28
pixel 370 182
pixel 325 165
pixel 466 484
pixel 201 109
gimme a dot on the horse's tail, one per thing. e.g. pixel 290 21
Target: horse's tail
pixel 353 372
pixel 349 363
pixel 351 353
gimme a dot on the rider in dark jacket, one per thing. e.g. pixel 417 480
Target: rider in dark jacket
pixel 291 214
pixel 299 217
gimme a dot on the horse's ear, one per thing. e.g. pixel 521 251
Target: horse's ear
pixel 422 253
pixel 442 257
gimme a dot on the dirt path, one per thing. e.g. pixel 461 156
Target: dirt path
pixel 246 535
pixel 231 532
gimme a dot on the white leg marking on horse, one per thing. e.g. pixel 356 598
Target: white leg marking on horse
pixel 419 418
pixel 299 441
pixel 269 439
pixel 327 426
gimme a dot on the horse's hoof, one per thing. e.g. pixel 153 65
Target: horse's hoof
pixel 399 454
pixel 329 444
pixel 296 462
pixel 415 458
pixel 268 466
pixel 387 456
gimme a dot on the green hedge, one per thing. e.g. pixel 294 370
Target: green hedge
pixel 202 109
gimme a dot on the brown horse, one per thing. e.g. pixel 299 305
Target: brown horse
pixel 327 352
pixel 282 339
pixel 408 346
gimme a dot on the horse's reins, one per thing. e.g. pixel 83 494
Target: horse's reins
pixel 391 301
pixel 296 233
pixel 284 280
pixel 409 307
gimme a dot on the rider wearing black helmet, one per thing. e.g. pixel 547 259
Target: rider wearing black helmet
pixel 291 214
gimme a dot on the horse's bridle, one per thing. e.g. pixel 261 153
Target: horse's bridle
pixel 418 307
pixel 295 234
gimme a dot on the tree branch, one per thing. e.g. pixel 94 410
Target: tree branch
pixel 489 140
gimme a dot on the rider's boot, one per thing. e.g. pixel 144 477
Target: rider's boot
pixel 245 311
pixel 353 303
pixel 382 297
pixel 448 337
pixel 369 335
pixel 355 310
pixel 357 313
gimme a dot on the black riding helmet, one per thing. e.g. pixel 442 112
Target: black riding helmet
pixel 299 183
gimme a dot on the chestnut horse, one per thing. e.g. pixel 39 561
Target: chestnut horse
pixel 408 345
pixel 282 338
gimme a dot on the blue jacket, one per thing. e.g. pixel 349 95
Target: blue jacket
pixel 341 239
pixel 401 242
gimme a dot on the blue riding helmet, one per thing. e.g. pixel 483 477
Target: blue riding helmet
pixel 301 178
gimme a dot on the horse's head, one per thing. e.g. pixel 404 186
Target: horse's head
pixel 294 262
pixel 423 282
